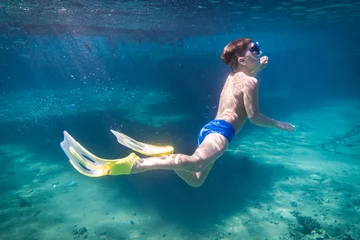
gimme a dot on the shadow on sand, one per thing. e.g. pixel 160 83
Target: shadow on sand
pixel 235 182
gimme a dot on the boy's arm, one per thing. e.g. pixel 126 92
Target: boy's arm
pixel 251 102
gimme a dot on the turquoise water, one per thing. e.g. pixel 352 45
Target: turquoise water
pixel 152 70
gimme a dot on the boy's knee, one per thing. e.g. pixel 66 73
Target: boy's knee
pixel 197 183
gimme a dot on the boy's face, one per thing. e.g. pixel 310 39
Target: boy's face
pixel 252 60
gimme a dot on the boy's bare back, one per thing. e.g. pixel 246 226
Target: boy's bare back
pixel 236 100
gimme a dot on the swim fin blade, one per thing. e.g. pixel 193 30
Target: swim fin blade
pixel 92 166
pixel 143 148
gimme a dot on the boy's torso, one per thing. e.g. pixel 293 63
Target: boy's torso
pixel 231 104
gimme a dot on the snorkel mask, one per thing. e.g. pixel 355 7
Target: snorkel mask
pixel 255 47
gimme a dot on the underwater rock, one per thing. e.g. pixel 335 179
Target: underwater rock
pixel 316 177
pixel 258 205
pixel 274 222
pixel 322 179
pixel 296 234
pixel 220 237
pixel 308 224
pixel 24 203
pixel 328 180
pixel 268 207
pixel 102 234
pixel 345 237
pixel 334 230
pixel 295 213
pixel 29 191
pixel 307 237
pixel 82 230
pixel 72 184
pixel 293 204
pixel 356 202
pixel 37 213
pixel 319 234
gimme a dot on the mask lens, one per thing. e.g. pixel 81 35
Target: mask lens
pixel 255 47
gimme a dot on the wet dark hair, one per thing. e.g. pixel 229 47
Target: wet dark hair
pixel 235 49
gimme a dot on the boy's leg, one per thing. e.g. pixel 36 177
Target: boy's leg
pixel 197 165
pixel 213 146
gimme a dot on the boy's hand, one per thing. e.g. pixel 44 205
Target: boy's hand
pixel 285 126
pixel 263 62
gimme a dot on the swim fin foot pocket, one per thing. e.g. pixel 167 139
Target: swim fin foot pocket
pixel 92 166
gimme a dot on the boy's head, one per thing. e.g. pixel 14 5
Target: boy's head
pixel 242 54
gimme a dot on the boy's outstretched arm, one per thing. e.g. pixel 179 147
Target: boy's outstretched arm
pixel 251 102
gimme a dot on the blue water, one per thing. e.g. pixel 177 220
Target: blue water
pixel 153 70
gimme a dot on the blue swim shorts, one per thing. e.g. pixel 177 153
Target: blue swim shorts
pixel 217 126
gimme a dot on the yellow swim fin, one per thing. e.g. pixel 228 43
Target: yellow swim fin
pixel 143 148
pixel 92 166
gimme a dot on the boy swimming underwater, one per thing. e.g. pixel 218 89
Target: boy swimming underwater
pixel 238 102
